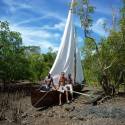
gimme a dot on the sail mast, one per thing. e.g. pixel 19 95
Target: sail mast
pixel 75 58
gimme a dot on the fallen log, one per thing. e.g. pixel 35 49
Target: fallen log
pixel 95 100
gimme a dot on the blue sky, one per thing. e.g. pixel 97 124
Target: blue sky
pixel 41 22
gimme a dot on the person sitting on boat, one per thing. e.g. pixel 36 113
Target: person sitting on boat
pixel 48 83
pixel 62 88
pixel 69 85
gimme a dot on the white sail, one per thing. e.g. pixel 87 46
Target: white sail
pixel 79 70
pixel 64 61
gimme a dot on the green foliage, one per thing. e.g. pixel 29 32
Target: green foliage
pixel 18 62
pixel 12 59
pixel 106 56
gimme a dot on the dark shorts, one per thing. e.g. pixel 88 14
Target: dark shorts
pixel 45 88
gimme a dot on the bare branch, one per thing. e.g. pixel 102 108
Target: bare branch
pixel 110 64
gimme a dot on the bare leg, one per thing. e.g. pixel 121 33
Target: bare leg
pixel 67 97
pixel 71 91
pixel 72 96
pixel 60 96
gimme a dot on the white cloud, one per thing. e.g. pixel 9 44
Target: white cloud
pixel 44 36
pixel 31 20
pixel 101 21
pixel 44 45
pixel 38 37
pixel 54 15
pixel 98 27
pixel 13 5
pixel 59 26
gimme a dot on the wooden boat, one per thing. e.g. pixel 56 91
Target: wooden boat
pixel 47 98
pixel 68 61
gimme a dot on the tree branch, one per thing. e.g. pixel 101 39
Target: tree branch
pixel 105 68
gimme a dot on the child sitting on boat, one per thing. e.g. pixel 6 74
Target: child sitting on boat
pixel 48 83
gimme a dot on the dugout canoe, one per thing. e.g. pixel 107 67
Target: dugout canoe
pixel 41 98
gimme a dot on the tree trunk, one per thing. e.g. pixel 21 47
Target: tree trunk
pixel 107 87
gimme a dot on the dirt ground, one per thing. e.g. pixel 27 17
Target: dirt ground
pixel 16 109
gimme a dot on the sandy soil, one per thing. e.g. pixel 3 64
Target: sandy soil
pixel 20 112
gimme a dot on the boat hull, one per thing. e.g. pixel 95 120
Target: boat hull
pixel 42 98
